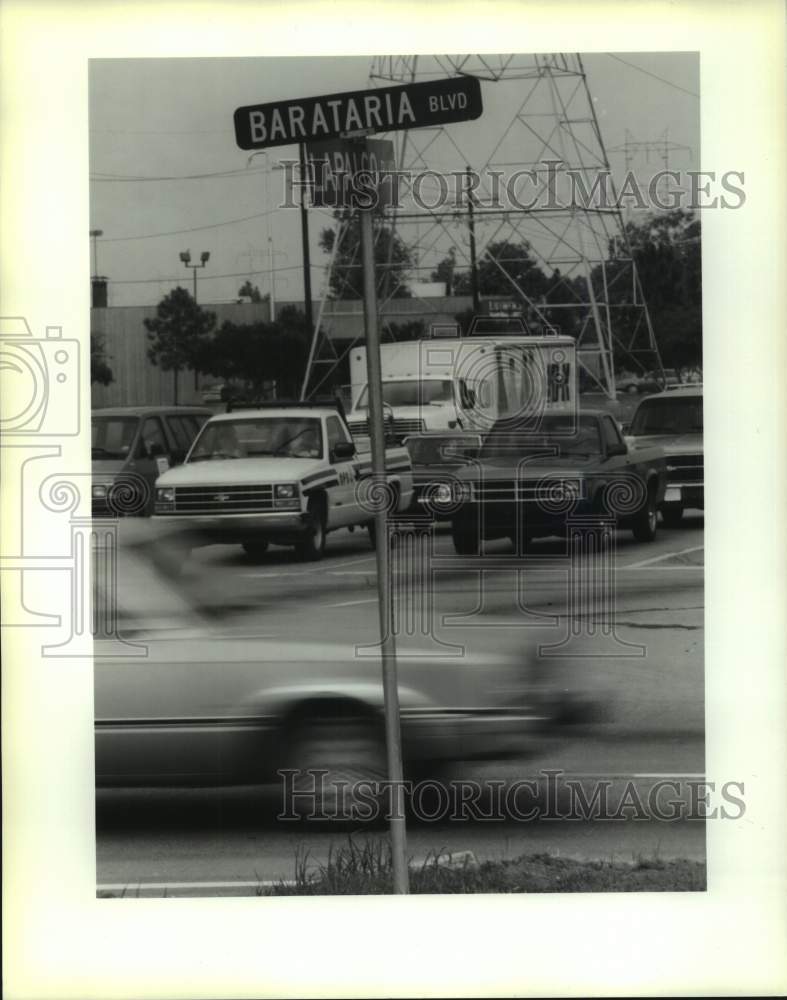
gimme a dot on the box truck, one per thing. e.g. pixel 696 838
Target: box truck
pixel 466 383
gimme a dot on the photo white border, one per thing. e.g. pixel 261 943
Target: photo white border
pixel 59 941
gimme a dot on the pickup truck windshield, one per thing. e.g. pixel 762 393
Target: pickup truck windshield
pixel 252 437
pixel 411 392
pixel 668 416
pixel 112 437
pixel 556 434
pixel 443 450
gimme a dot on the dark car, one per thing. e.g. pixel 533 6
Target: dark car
pixel 673 421
pixel 435 457
pixel 131 446
pixel 526 484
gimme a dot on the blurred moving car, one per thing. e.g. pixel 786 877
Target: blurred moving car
pixel 526 484
pixel 673 421
pixel 208 711
pixel 131 446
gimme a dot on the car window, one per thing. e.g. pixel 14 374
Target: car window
pixel 610 433
pixel 152 440
pixel 668 415
pixel 336 432
pixel 556 432
pixel 253 437
pixel 112 437
pixel 185 428
pixel 178 432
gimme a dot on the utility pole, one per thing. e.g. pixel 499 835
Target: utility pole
pixel 473 262
pixel 307 278
pixel 393 737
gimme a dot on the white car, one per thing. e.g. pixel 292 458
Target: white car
pixel 287 474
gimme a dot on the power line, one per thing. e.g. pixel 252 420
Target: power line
pixel 197 229
pixel 193 229
pixel 208 277
pixel 121 178
pixel 655 76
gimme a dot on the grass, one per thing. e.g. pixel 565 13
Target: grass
pixel 366 869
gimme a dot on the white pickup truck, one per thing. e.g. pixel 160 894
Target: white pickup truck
pixel 284 473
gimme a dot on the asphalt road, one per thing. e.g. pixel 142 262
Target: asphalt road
pixel 643 658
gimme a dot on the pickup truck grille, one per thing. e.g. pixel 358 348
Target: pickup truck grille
pixel 685 469
pixel 528 490
pixel 223 499
pixel 401 426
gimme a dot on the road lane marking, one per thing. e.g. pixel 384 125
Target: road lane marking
pixel 667 555
pixel 311 572
pixel 349 604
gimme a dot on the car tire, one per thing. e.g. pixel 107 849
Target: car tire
pixel 672 514
pixel 349 750
pixel 311 546
pixel 644 524
pixel 465 538
pixel 255 550
pixel 169 558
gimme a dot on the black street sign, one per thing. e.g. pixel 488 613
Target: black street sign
pixel 350 173
pixel 386 109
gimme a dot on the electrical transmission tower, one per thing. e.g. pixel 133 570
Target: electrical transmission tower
pixel 538 110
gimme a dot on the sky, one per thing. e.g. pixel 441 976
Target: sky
pixel 158 126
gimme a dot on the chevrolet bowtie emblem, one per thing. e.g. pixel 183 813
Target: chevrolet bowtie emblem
pixel 222 497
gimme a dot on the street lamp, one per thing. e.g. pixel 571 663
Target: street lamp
pixel 204 257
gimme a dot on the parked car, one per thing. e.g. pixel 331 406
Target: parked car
pixel 526 485
pixel 131 446
pixel 672 420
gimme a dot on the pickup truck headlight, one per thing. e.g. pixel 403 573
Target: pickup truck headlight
pixel 285 496
pixel 99 492
pixel 442 494
pixel 165 494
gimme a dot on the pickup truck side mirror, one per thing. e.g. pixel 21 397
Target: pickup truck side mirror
pixel 343 450
pixel 617 449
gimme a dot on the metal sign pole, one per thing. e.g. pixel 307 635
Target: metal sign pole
pixel 393 740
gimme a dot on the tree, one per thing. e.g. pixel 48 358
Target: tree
pixel 250 355
pixel 99 369
pixel 178 334
pixel 347 272
pixel 501 267
pixel 252 293
pixel 667 251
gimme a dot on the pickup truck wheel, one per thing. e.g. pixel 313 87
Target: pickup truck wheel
pixel 255 550
pixel 333 757
pixel 465 538
pixel 312 545
pixel 672 514
pixel 643 527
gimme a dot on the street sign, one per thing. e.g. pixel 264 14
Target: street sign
pixel 349 173
pixel 386 109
